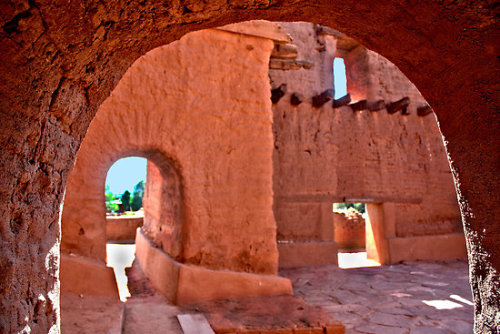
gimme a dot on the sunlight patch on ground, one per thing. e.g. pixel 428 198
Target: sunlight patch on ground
pixel 461 299
pixel 355 260
pixel 442 304
pixel 119 257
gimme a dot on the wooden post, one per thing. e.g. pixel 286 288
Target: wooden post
pixel 424 110
pixel 376 105
pixel 360 105
pixel 344 100
pixel 399 105
pixel 278 93
pixel 323 98
pixel 296 99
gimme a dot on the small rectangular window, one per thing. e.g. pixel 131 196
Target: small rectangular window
pixel 339 78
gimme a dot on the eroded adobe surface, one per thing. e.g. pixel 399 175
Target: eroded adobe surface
pixel 326 154
pixel 61 60
pixel 208 132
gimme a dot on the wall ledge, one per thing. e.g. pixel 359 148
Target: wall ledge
pixel 432 247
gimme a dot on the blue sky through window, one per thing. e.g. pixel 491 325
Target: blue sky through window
pixel 125 174
pixel 339 78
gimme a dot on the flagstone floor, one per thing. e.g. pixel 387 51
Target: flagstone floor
pixel 412 297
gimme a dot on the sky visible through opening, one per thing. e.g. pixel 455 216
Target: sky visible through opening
pixel 125 174
pixel 339 78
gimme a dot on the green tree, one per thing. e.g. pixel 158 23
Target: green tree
pixel 137 197
pixel 109 198
pixel 125 199
pixel 360 207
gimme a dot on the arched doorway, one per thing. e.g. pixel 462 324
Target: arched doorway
pixel 438 44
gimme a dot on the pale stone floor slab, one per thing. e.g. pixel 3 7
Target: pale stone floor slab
pixel 411 297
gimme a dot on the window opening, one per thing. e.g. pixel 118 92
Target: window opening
pixel 339 78
pixel 125 186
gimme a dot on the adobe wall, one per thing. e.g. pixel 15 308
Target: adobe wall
pixel 122 228
pixel 209 133
pixel 164 209
pixel 327 154
pixel 59 63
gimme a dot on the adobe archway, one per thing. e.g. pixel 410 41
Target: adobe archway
pixel 83 222
pixel 216 225
pixel 60 63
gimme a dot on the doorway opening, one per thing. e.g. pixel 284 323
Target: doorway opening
pixel 350 220
pixel 125 188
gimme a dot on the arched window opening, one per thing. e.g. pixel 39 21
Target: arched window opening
pixel 125 188
pixel 125 184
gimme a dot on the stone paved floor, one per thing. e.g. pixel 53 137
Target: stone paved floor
pixel 412 297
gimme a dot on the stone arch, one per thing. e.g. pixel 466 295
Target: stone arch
pixel 58 69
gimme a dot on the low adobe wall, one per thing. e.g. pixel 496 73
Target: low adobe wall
pixel 83 276
pixel 185 284
pixel 436 247
pixel 385 247
pixel 307 253
pixel 122 228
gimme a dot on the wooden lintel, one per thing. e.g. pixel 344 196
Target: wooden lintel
pixel 323 98
pixel 344 100
pixel 278 93
pixel 424 110
pixel 360 105
pixel 376 105
pixel 296 99
pixel 399 105
pixel 332 198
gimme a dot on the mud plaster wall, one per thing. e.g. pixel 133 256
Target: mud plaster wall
pixel 362 154
pixel 203 103
pixel 61 60
pixel 163 210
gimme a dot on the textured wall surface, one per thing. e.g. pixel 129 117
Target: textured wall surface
pixel 60 60
pixel 361 154
pixel 164 209
pixel 349 230
pixel 208 132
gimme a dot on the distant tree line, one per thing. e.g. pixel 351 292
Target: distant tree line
pixel 127 201
pixel 360 207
